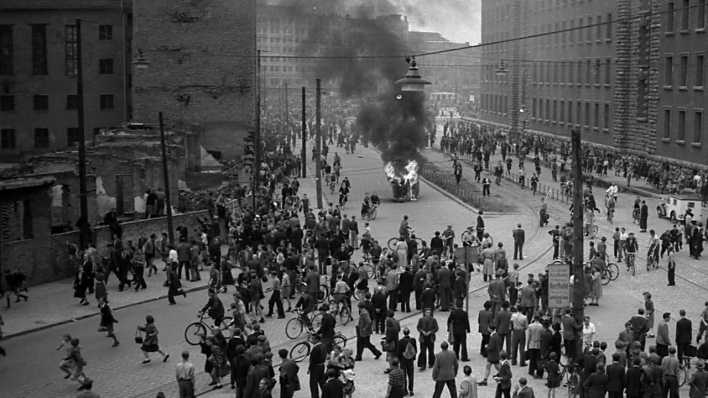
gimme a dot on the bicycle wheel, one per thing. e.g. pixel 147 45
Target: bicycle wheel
pixel 323 293
pixel 339 340
pixel 613 270
pixel 294 328
pixel 392 243
pixel 605 277
pixel 300 351
pixel 344 316
pixel 193 333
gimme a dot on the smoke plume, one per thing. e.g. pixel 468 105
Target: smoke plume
pixel 349 32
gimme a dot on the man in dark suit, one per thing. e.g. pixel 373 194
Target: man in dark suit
pixel 444 277
pixel 405 286
pixel 502 320
pixel 406 357
pixel 519 236
pixel 684 332
pixel 493 353
pixel 570 327
pixel 333 387
pixel 616 377
pixel 458 325
pixel 318 356
pixel 633 379
pixel 484 320
pixel 289 382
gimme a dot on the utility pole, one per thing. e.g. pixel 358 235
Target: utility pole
pixel 303 136
pixel 83 200
pixel 577 262
pixel 288 130
pixel 318 143
pixel 166 181
pixel 257 144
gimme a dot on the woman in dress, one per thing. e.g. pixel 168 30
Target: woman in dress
pixel 402 252
pixel 150 342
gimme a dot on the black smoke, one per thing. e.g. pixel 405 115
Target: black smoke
pixel 362 51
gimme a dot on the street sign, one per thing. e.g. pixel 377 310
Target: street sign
pixel 558 285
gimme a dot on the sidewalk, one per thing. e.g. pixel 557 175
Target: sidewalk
pixel 52 304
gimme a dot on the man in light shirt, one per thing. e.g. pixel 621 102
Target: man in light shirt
pixel 185 377
pixel 519 323
pixel 662 336
pixel 670 370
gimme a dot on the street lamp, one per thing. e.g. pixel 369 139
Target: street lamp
pixel 412 82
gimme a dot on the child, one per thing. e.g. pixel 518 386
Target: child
pixel 79 364
pixel 554 377
pixel 150 343
pixel 67 363
pixel 107 320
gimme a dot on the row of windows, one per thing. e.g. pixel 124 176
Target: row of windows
pixel 8 137
pixel 589 71
pixel 598 28
pixel 41 102
pixel 677 128
pixel 685 64
pixel 573 112
pixel 39 49
pixel 495 103
pixel 687 12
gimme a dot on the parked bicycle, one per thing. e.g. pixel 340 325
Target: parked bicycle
pixel 295 326
pixel 391 243
pixel 194 331
pixel 301 350
pixel 609 273
pixel 571 379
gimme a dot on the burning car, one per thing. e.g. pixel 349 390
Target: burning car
pixel 403 177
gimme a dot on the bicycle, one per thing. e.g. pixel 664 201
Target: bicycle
pixel 609 273
pixel 194 331
pixel 570 379
pixel 630 258
pixel 341 311
pixel 295 326
pixel 391 243
pixel 301 350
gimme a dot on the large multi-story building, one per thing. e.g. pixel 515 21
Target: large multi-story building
pixel 627 74
pixel 38 71
pixel 196 63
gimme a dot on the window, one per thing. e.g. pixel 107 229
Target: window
pixel 41 102
pixel 555 110
pixel 608 35
pixel 7 139
pixel 548 109
pixel 685 10
pixel 588 72
pixel 72 102
pixel 606 123
pixel 587 114
pixel 683 82
pixel 608 71
pixel 670 16
pixel 534 107
pixel 7 103
pixel 41 138
pixel 561 108
pixel 39 49
pixel 70 51
pixel 570 112
pixel 105 66
pixel 105 32
pixel 578 112
pixel 701 14
pixel 72 136
pixel 697 127
pixel 107 102
pixel 6 50
pixel 700 70
pixel 598 27
pixel 669 71
pixel 682 126
pixel 667 123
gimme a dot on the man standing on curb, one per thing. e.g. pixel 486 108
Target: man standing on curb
pixel 519 236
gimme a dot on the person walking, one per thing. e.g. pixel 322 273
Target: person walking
pixel 503 378
pixel 445 371
pixel 363 334
pixel 427 327
pixel 643 216
pixel 275 297
pixel 519 236
pixel 493 354
pixel 289 381
pixel 185 376
pixel 150 341
pixel 107 321
pixel 407 351
pixel 484 320
pixel 684 332
pixel 458 326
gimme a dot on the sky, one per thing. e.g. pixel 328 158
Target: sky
pixel 456 20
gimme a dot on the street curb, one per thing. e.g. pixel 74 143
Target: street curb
pixel 64 322
pixel 449 195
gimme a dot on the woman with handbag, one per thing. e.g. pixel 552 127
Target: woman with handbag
pixel 149 342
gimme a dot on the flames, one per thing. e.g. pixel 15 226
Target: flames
pixel 403 176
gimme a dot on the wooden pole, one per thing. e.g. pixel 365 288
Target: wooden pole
pixel 318 143
pixel 257 143
pixel 303 135
pixel 166 181
pixel 83 200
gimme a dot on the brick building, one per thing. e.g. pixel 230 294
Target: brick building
pixel 38 71
pixel 623 72
pixel 200 67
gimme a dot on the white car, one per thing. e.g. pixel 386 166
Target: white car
pixel 674 207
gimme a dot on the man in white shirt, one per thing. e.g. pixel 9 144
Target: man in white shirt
pixel 185 377
pixel 519 323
